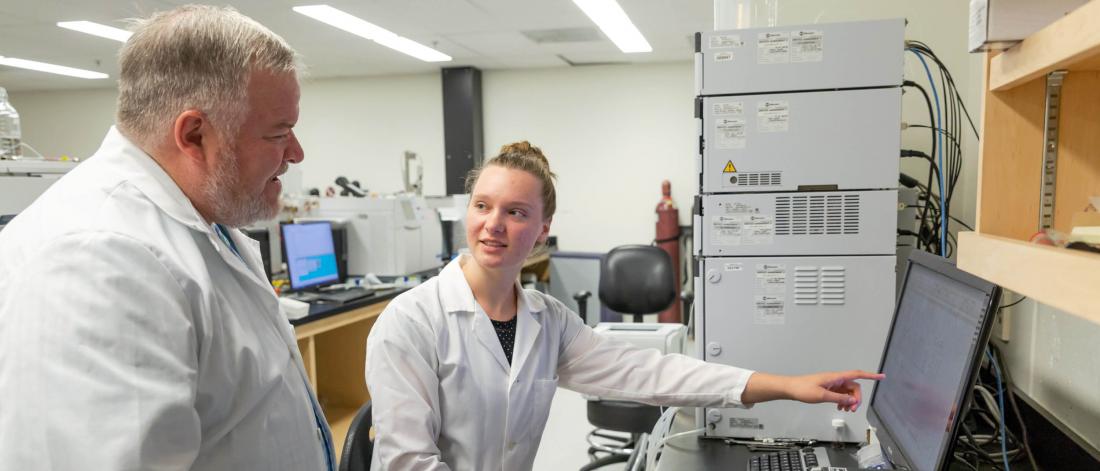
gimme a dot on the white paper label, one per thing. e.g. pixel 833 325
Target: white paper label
pixel 768 310
pixel 729 133
pixel 726 230
pixel 773 47
pixel 757 230
pixel 771 278
pixel 742 229
pixel 807 46
pixel 773 116
pixel 725 41
pixel 732 267
pixel 734 108
pixel 723 56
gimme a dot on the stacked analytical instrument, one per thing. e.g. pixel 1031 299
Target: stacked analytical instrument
pixel 796 216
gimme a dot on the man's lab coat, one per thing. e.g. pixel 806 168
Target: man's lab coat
pixel 445 396
pixel 132 337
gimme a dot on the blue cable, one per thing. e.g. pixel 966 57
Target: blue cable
pixel 1001 404
pixel 939 139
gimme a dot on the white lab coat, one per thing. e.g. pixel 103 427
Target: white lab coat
pixel 131 337
pixel 445 396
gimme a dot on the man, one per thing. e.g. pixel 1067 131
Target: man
pixel 137 330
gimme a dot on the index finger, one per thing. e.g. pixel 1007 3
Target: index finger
pixel 860 374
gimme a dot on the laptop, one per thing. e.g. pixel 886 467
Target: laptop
pixel 941 326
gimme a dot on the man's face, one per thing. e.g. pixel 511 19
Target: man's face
pixel 244 186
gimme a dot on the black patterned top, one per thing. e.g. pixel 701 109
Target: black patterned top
pixel 506 332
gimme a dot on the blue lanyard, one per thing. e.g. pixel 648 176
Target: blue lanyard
pixel 326 438
pixel 223 234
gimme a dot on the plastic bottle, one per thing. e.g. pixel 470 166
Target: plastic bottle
pixel 10 132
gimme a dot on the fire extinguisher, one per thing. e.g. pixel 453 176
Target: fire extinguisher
pixel 668 239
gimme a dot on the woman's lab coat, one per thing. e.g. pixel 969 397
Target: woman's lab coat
pixel 131 337
pixel 445 396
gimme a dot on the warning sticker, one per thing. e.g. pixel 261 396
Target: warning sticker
pixel 768 310
pixel 771 278
pixel 773 116
pixel 807 45
pixel 733 108
pixel 773 47
pixel 729 133
pixel 723 56
pixel 725 41
pixel 729 168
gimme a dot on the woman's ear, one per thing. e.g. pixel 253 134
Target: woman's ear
pixel 545 231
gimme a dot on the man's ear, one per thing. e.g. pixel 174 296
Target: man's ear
pixel 193 134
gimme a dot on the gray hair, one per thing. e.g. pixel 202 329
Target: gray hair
pixel 194 57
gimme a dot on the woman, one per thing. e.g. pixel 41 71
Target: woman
pixel 462 368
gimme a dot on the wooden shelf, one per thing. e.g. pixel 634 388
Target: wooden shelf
pixel 1066 279
pixel 1071 43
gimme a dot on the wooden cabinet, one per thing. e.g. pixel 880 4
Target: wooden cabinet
pixel 334 353
pixel 1011 165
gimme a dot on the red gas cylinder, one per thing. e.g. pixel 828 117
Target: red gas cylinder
pixel 668 238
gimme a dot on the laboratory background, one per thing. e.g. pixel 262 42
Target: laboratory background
pixel 790 157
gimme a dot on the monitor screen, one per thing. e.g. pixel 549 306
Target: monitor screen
pixel 940 331
pixel 310 255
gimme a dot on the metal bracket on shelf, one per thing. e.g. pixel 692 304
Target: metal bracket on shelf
pixel 1050 148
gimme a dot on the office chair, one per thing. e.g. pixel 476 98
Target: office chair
pixel 634 279
pixel 359 444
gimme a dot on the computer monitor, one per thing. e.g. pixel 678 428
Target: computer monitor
pixel 310 255
pixel 261 235
pixel 940 330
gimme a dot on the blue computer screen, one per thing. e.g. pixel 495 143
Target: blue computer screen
pixel 310 254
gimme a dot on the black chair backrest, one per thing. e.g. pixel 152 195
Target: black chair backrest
pixel 358 446
pixel 637 279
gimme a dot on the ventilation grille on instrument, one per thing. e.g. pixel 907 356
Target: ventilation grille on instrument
pixel 759 179
pixel 817 215
pixel 819 285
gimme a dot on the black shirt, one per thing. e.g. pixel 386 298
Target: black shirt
pixel 506 332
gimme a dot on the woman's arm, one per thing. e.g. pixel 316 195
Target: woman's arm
pixel 593 364
pixel 404 389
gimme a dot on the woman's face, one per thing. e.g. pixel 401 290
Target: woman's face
pixel 504 219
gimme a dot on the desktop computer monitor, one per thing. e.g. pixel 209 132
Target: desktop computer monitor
pixel 261 235
pixel 310 255
pixel 939 334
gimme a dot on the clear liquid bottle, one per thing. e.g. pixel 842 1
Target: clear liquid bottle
pixel 10 132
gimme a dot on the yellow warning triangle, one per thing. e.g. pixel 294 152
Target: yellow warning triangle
pixel 729 167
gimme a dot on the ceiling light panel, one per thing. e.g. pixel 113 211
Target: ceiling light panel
pixel 51 68
pixel 96 29
pixel 367 30
pixel 612 20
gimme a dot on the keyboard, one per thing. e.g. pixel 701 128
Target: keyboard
pixel 342 296
pixel 795 459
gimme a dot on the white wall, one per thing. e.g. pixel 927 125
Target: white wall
pixel 611 133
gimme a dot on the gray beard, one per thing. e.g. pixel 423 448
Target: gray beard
pixel 230 205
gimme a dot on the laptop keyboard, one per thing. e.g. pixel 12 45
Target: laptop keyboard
pixel 790 460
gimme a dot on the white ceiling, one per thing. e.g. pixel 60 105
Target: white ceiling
pixel 487 34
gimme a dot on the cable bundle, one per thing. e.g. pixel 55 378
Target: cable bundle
pixel 945 115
